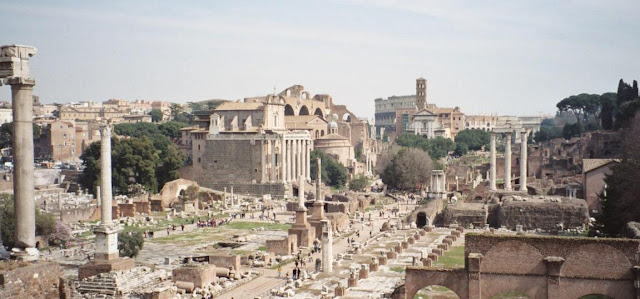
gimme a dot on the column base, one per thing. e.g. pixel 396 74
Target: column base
pixel 26 255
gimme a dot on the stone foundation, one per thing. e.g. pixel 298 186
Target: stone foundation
pixel 102 266
pixel 200 275
pixel 32 280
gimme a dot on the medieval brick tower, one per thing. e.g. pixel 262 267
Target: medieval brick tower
pixel 421 93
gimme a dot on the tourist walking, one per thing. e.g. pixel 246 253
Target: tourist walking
pixel 279 271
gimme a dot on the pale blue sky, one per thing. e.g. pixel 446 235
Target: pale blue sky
pixel 503 57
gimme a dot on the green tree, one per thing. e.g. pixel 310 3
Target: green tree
pixel 150 163
pixel 156 115
pixel 436 147
pixel 408 169
pixel 176 111
pixel 620 201
pixel 172 129
pixel 571 130
pixel 461 149
pixel 359 183
pixel 627 102
pixel 130 243
pixel 45 222
pixel 475 139
pixel 333 172
pixel 582 106
pixel 608 109
pixel 6 133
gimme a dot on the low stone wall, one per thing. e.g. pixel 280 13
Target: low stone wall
pixel 201 275
pixel 225 261
pixel 83 213
pixel 286 246
pixel 465 216
pixel 277 190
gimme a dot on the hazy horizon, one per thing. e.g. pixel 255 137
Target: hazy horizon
pixel 494 57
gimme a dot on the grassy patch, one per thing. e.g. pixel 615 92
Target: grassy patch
pixel 189 238
pixel 250 225
pixel 454 258
pixel 262 248
pixel 397 269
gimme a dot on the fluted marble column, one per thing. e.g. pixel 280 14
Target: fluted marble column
pixel 303 154
pixel 507 162
pixel 523 161
pixel 309 146
pixel 492 169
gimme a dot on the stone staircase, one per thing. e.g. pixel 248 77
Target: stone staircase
pixel 105 284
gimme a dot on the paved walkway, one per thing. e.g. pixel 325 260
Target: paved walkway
pixel 264 283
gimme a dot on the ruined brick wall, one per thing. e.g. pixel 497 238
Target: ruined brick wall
pixel 584 257
pixel 39 280
pixel 143 207
pixel 571 213
pixel 537 266
pixel 431 209
pixel 465 217
pixel 127 209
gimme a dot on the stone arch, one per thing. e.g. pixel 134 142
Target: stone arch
pixel 422 219
pixel 440 291
pixel 304 110
pixel 595 296
pixel 346 117
pixel 321 133
pixel 417 279
pixel 600 258
pixel 317 134
pixel 512 294
pixel 288 110
pixel 318 112
pixel 514 257
pixel 305 95
pixel 288 92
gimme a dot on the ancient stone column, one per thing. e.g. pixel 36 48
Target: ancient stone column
pixel 327 247
pixel 98 196
pixel 301 191
pixel 232 196
pixel 273 160
pixel 107 232
pixel 318 204
pixel 283 157
pixel 294 160
pixel 105 176
pixel 289 160
pixel 23 185
pixel 224 198
pixel 492 169
pixel 523 161
pixel 310 145
pixel 507 162
pixel 303 160
pixel 263 161
pixel 298 158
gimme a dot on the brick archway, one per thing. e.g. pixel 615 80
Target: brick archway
pixel 455 280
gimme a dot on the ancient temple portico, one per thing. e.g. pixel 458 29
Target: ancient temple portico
pixel 508 130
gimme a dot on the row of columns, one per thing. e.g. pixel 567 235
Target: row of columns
pixel 507 162
pixel 297 159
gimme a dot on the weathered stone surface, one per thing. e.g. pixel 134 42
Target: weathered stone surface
pixel 38 280
pixel 104 266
